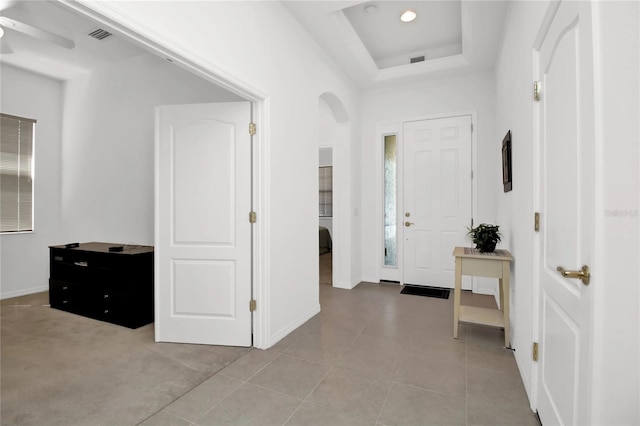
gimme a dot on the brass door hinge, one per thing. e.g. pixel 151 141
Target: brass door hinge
pixel 536 90
pixel 252 217
pixel 252 305
pixel 535 351
pixel 252 129
pixel 536 222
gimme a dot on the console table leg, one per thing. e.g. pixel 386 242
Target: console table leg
pixel 456 297
pixel 504 286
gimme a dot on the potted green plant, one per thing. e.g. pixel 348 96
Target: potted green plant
pixel 485 236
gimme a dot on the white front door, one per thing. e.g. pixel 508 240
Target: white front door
pixel 203 234
pixel 565 69
pixel 437 198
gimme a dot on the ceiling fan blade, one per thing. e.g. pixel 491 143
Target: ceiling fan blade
pixel 12 24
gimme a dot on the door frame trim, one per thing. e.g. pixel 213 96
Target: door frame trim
pixel 396 127
pixel 537 197
pixel 162 46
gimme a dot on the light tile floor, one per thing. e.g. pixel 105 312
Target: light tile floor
pixel 58 368
pixel 373 356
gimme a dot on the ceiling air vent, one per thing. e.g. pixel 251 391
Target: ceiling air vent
pixel 99 34
pixel 416 59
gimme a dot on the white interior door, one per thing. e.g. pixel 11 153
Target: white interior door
pixel 203 234
pixel 566 206
pixel 437 198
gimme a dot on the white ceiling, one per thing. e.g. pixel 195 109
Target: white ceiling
pixel 436 32
pixel 374 48
pixel 44 57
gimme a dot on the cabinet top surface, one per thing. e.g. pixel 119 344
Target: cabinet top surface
pixel 476 254
pixel 104 248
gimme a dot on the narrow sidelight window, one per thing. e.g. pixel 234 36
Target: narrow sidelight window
pixel 390 197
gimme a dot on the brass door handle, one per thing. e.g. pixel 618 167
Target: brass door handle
pixel 583 274
pixel 407 224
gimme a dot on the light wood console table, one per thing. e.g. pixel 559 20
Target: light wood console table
pixel 470 261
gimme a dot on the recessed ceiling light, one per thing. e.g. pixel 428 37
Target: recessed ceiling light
pixel 408 16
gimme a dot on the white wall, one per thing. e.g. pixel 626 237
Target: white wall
pixel 324 154
pixel 616 337
pixel 94 157
pixel 514 111
pixel 259 45
pixel 616 328
pixel 24 258
pixel 108 143
pixel 472 93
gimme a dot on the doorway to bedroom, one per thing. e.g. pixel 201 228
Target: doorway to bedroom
pixel 333 193
pixel 325 215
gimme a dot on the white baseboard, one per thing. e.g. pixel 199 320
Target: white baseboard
pixel 374 280
pixel 522 357
pixel 275 338
pixel 23 292
pixel 344 285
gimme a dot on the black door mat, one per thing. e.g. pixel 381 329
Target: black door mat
pixel 416 290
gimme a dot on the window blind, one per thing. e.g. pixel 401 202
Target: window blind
pixel 325 183
pixel 16 173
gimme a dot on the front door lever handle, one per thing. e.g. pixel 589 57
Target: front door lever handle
pixel 407 224
pixel 583 274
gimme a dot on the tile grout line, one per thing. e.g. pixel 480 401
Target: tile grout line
pixel 271 390
pixel 384 403
pixel 302 401
pixel 309 394
pixel 429 390
pixel 397 368
pixel 293 414
pixel 209 409
pixel 244 382
pixel 395 375
pixel 189 390
pixel 247 381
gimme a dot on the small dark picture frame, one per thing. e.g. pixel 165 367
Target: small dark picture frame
pixel 506 162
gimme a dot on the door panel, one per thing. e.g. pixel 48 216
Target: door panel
pixel 560 369
pixel 437 197
pixel 199 209
pixel 566 197
pixel 203 234
pixel 195 278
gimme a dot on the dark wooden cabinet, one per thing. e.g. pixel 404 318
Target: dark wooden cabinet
pixel 113 286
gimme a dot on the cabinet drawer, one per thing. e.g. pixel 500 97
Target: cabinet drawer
pixel 62 296
pixel 69 266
